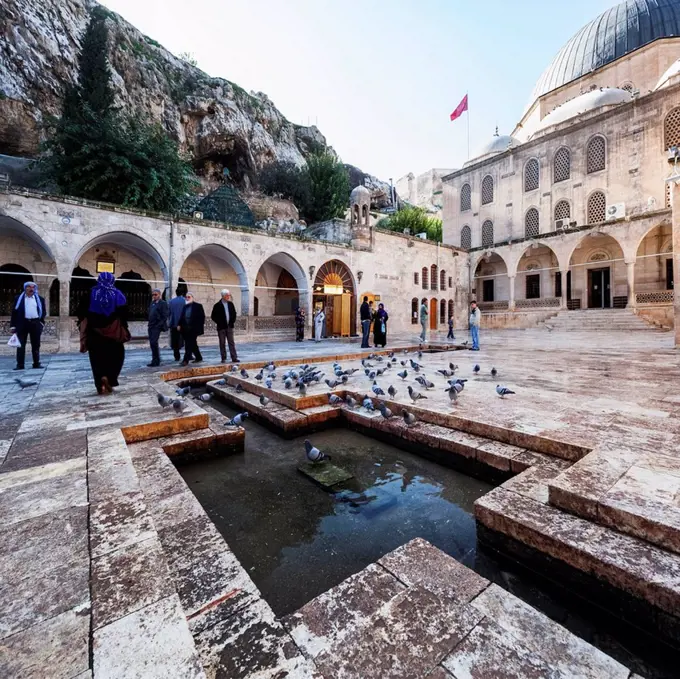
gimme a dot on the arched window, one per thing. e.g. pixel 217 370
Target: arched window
pixel 487 234
pixel 466 238
pixel 416 278
pixel 597 208
pixel 562 210
pixel 442 311
pixel 414 311
pixel 433 277
pixel 531 223
pixel 672 129
pixel 442 280
pixel 596 156
pixel 531 175
pixel 450 316
pixel 628 86
pixel 465 198
pixel 424 278
pixel 487 190
pixel 562 165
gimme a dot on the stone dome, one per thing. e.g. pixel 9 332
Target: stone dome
pixel 497 144
pixel 360 195
pixel 614 34
pixel 665 80
pixel 589 101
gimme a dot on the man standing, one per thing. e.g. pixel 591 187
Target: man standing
pixel 224 317
pixel 191 325
pixel 28 320
pixel 365 315
pixel 424 315
pixel 158 323
pixel 177 305
pixel 475 319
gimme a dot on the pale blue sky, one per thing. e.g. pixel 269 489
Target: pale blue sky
pixel 380 78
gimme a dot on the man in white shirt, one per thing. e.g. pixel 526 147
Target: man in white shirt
pixel 28 321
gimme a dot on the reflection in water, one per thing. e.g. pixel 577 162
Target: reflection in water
pixel 297 540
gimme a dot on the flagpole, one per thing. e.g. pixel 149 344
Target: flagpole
pixel 468 129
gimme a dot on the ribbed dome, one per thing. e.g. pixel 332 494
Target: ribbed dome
pixel 615 33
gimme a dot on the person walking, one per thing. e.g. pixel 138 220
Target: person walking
pixel 424 315
pixel 159 312
pixel 300 324
pixel 102 320
pixel 450 335
pixel 177 305
pixel 380 326
pixel 192 326
pixel 28 321
pixel 475 320
pixel 224 317
pixel 365 316
pixel 319 319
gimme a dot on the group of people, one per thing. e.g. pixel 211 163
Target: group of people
pixel 103 325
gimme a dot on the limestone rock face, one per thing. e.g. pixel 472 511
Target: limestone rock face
pixel 218 123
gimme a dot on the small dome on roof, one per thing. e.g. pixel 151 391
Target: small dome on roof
pixel 360 194
pixel 672 71
pixel 605 96
pixel 498 144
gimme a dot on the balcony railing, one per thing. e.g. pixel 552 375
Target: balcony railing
pixel 501 305
pixel 538 303
pixel 657 297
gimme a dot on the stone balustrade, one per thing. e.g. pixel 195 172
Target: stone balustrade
pixel 659 297
pixel 539 303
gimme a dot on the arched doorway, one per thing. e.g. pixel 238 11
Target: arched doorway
pixel 491 285
pixel 137 293
pixel 334 291
pixel 538 280
pixel 12 279
pixel 81 284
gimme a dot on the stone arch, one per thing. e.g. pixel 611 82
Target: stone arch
pixel 536 272
pixel 224 269
pixel 271 298
pixel 490 283
pixel 654 260
pixel 335 289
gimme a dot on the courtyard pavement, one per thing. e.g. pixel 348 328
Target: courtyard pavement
pixel 89 512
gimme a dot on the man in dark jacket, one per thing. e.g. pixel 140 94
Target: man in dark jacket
pixel 224 317
pixel 176 307
pixel 191 325
pixel 158 323
pixel 28 320
pixel 365 313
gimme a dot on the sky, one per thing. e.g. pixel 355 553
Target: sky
pixel 378 77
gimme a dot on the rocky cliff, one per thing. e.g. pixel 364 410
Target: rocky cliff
pixel 217 122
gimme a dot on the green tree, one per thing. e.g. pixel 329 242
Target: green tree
pixel 416 220
pixel 288 180
pixel 328 186
pixel 95 152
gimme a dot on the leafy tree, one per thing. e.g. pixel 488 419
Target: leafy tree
pixel 416 220
pixel 288 180
pixel 329 187
pixel 95 152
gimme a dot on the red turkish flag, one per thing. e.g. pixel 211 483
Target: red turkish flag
pixel 461 108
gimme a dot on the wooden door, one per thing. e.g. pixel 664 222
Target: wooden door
pixel 433 314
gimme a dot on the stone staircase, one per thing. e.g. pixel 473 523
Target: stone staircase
pixel 598 320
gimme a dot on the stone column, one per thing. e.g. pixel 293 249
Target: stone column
pixel 675 203
pixel 630 276
pixel 563 275
pixel 511 303
pixel 64 324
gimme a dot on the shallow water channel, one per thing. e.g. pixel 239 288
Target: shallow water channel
pixel 297 540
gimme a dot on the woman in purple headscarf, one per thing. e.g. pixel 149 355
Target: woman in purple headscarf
pixel 104 331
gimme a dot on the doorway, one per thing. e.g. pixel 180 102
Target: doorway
pixel 433 314
pixel 488 291
pixel 669 274
pixel 533 286
pixel 599 288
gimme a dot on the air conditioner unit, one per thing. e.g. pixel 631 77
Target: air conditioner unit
pixel 198 215
pixel 423 236
pixel 616 211
pixel 561 224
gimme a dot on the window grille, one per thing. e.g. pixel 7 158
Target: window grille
pixel 466 238
pixel 487 234
pixel 531 223
pixel 465 198
pixel 531 175
pixel 562 210
pixel 487 190
pixel 597 208
pixel 562 165
pixel 672 129
pixel 597 155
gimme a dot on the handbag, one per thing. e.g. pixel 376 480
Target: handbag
pixel 14 341
pixel 115 331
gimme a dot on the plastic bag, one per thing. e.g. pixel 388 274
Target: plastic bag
pixel 14 341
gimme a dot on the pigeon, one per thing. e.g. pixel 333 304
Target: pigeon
pixel 25 384
pixel 503 391
pixel 203 397
pixel 288 383
pixel 345 379
pixel 380 359
pixel 314 454
pixel 421 380
pixel 390 354
pixel 453 394
pixel 453 367
pixel 270 368
pixel 420 354
pixel 403 364
pixel 244 374
pixel 414 365
pixel 465 343
pixel 415 395
pixel 377 390
pixel 416 368
pixel 239 388
pixel 476 369
pixel 403 374
pixel 394 359
pixel 409 418
pixel 332 383
pixel 236 421
pixel 368 404
pixel 351 402
pixel 459 384
pixel 446 373
pixel 427 384
pixel 259 377
pixel 334 399
pixel 302 388
pixel 268 383
pixel 179 406
pixel 183 391
pixel 264 400
pixel 391 391
pixel 549 328
pixel 234 368
pixel 221 383
pixel 494 372
pixel 163 401
pixel 372 375
pixel 385 411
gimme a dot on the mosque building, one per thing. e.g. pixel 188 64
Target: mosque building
pixel 572 209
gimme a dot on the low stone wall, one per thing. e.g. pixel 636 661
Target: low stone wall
pixel 516 319
pixel 659 315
